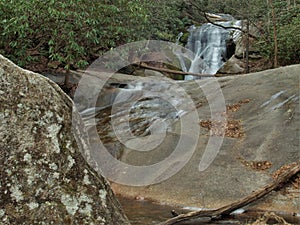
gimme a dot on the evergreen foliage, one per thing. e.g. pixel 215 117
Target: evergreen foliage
pixel 75 32
pixel 288 36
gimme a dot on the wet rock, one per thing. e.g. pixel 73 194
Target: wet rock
pixel 44 178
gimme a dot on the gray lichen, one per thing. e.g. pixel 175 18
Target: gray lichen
pixel 16 193
pixel 102 194
pixel 70 203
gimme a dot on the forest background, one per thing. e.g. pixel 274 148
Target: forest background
pixel 72 34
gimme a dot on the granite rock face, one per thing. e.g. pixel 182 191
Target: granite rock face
pixel 44 178
pixel 262 111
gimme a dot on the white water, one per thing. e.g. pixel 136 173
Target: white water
pixel 208 43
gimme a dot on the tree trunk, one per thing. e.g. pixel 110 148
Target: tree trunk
pixel 288 4
pixel 67 76
pixel 275 62
pixel 67 79
pixel 247 45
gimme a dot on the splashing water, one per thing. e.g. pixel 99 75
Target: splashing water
pixel 209 45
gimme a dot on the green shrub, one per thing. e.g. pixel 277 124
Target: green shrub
pixel 75 32
pixel 71 32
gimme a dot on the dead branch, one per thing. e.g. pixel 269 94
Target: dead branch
pixel 173 71
pixel 270 215
pixel 219 25
pixel 197 216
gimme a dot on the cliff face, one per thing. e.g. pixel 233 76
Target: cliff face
pixel 44 178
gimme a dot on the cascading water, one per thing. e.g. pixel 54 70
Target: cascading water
pixel 209 45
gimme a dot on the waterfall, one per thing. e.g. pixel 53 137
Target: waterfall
pixel 209 45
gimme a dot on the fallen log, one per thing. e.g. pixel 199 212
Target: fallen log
pixel 198 217
pixel 173 71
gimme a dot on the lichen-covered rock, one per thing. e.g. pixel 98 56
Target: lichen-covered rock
pixel 44 178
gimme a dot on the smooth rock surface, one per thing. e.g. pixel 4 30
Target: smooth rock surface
pixel 44 178
pixel 263 135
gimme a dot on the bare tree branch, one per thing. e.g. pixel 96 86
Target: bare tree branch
pixel 219 25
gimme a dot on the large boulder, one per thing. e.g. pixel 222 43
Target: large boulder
pixel 44 178
pixel 262 135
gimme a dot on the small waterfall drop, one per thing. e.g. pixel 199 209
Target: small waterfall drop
pixel 209 45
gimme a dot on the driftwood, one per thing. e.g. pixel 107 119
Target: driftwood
pixel 173 71
pixel 197 217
